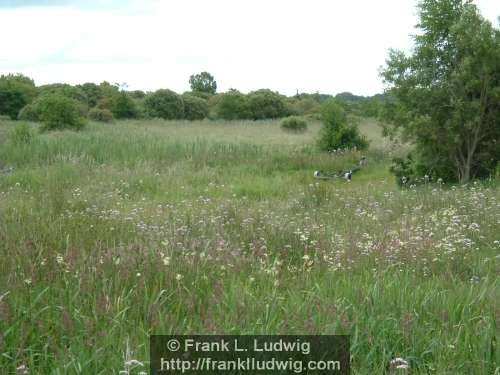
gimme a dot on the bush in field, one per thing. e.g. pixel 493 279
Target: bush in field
pixel 231 105
pixel 336 133
pixel 16 91
pixel 294 124
pixel 264 104
pixel 59 112
pixel 122 106
pixel 164 104
pixel 195 108
pixel 22 134
pixel 102 115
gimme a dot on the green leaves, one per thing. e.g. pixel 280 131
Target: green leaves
pixel 450 80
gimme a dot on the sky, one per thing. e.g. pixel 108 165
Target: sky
pixel 311 46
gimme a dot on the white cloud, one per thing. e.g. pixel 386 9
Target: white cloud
pixel 315 45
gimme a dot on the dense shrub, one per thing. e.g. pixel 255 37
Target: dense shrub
pixel 137 94
pixel 16 91
pixel 199 94
pixel 294 124
pixel 165 104
pixel 102 115
pixel 59 112
pixel 231 105
pixel 63 89
pixel 336 133
pixel 122 106
pixel 195 108
pixel 264 104
pixel 92 92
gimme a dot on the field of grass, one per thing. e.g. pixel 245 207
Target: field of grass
pixel 135 228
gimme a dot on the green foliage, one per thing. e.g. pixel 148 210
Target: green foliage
pixel 203 82
pixel 16 91
pixel 63 89
pixel 266 104
pixel 122 105
pixel 92 92
pixel 445 95
pixel 231 105
pixel 336 132
pixel 137 94
pixel 164 104
pixel 304 106
pixel 199 94
pixel 22 134
pixel 195 108
pixel 294 124
pixel 30 112
pixel 59 112
pixel 102 115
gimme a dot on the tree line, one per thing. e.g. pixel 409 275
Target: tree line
pixel 21 99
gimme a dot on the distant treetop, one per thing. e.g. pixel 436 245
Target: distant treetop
pixel 203 82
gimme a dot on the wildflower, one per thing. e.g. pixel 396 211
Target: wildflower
pixel 166 261
pixel 138 274
pixel 179 277
pixel 27 281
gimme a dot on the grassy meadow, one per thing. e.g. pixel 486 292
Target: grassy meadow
pixel 123 230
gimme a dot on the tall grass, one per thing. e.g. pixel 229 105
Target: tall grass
pixel 121 231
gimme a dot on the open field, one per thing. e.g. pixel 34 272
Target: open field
pixel 123 230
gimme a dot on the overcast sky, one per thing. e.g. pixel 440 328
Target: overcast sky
pixel 285 45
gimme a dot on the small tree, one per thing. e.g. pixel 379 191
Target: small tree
pixel 203 82
pixel 336 132
pixel 165 104
pixel 446 95
pixel 59 112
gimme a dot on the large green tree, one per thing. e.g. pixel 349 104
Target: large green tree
pixel 203 82
pixel 445 96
